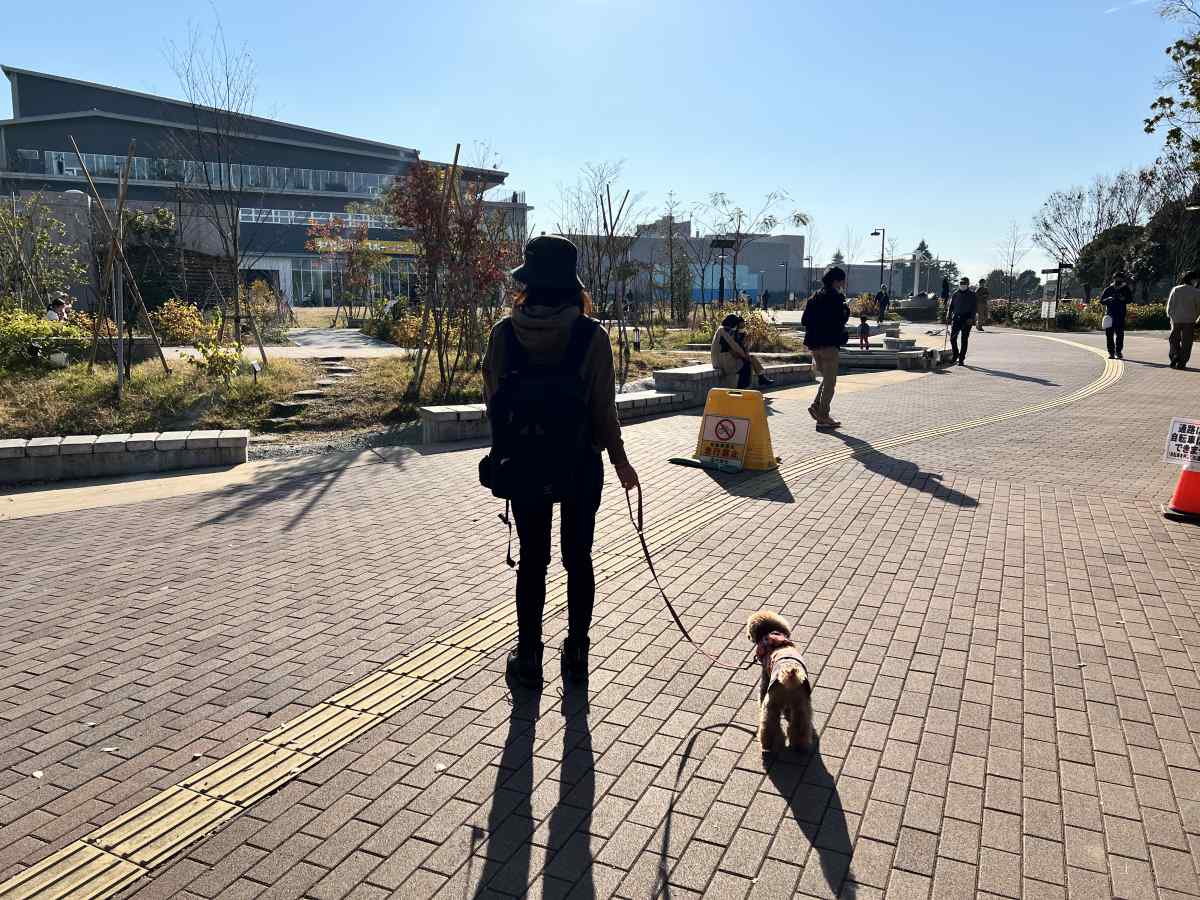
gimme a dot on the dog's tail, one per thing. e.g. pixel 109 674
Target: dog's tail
pixel 764 622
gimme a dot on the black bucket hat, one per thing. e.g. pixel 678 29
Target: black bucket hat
pixel 731 321
pixel 549 263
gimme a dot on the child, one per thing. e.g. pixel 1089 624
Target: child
pixel 864 333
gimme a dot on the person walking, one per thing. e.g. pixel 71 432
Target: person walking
pixel 961 312
pixel 882 301
pixel 1183 309
pixel 548 450
pixel 1116 299
pixel 824 321
pixel 984 295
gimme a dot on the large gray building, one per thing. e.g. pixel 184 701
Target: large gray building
pixel 283 177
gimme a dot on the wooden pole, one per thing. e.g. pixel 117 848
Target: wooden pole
pixel 137 294
pixel 249 314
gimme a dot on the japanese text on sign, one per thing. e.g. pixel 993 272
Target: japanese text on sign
pixel 723 439
pixel 1183 443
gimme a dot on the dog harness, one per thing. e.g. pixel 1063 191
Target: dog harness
pixel 774 650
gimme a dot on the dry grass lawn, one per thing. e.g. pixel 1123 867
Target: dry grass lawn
pixel 70 401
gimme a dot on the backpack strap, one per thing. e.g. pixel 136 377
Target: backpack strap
pixel 514 353
pixel 582 332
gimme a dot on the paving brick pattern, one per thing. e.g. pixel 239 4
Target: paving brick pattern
pixel 1002 628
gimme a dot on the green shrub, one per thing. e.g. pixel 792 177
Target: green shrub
pixel 27 339
pixel 1027 315
pixel 217 362
pixel 1147 316
pixel 1067 318
pixel 179 322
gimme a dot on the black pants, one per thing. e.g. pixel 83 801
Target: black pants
pixel 1181 343
pixel 578 521
pixel 960 328
pixel 1116 338
pixel 745 375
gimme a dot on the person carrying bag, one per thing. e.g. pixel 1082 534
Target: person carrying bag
pixel 550 390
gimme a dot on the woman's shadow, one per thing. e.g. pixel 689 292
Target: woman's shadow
pixel 511 827
pixel 813 800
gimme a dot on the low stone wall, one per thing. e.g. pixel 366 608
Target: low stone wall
pixel 694 382
pixel 446 424
pixel 110 455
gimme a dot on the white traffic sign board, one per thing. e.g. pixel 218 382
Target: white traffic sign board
pixel 1183 443
pixel 723 440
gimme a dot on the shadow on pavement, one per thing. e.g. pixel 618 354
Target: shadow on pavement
pixel 812 797
pixel 996 373
pixel 767 485
pixel 662 886
pixel 569 842
pixel 904 471
pixel 510 820
pixel 308 479
pixel 510 827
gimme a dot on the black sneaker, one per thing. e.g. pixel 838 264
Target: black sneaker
pixel 525 667
pixel 575 663
pixel 763 379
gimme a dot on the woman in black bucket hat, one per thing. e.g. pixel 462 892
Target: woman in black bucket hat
pixel 550 344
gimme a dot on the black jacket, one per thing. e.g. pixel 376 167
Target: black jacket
pixel 963 305
pixel 1116 300
pixel 824 319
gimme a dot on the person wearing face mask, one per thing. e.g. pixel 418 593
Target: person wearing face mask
pixel 1116 299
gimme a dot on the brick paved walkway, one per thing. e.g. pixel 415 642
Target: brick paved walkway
pixel 1003 631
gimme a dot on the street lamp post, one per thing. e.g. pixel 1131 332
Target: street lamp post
pixel 787 294
pixel 808 272
pixel 881 233
pixel 722 244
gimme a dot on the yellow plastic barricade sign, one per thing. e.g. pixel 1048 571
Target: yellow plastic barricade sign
pixel 734 431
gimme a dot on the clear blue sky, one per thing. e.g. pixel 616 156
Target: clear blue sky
pixel 943 120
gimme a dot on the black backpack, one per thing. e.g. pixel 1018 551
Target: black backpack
pixel 541 423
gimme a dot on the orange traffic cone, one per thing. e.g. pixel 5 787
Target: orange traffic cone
pixel 1185 502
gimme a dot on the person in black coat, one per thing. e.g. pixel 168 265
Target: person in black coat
pixel 1116 299
pixel 824 322
pixel 960 313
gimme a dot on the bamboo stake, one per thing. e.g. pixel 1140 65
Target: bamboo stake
pixel 137 294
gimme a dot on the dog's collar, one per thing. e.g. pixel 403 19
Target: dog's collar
pixel 769 642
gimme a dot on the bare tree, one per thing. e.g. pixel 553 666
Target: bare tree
pixel 744 228
pixel 700 251
pixel 602 221
pixel 1012 250
pixel 852 248
pixel 218 82
pixel 1069 220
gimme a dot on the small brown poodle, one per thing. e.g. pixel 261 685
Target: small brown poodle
pixel 786 690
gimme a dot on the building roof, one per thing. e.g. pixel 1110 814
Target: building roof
pixel 10 71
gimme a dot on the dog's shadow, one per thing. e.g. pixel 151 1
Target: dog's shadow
pixel 812 796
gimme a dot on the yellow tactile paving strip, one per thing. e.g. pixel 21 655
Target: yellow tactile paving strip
pixel 109 859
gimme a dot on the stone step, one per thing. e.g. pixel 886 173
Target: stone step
pixel 332 359
pixel 283 408
pixel 338 370
pixel 308 395
pixel 279 425
pixel 326 382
